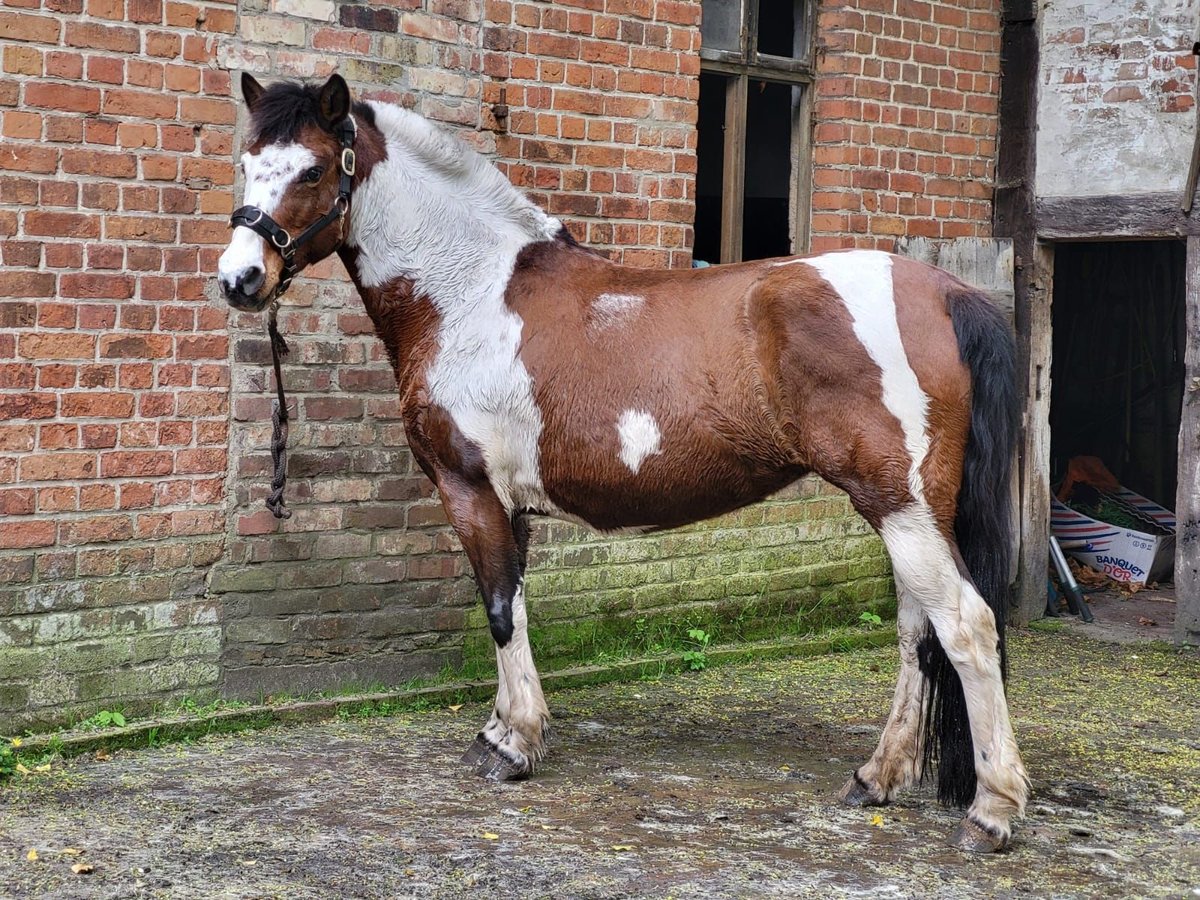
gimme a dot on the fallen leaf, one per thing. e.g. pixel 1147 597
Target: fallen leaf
pixel 1142 620
pixel 42 768
pixel 877 820
pixel 82 868
pixel 102 756
pixel 409 873
pixel 785 768
pixel 71 851
pixel 248 862
pixel 22 770
pixel 456 707
pixel 622 848
pixel 32 856
pixel 525 809
pixel 547 828
pixel 490 836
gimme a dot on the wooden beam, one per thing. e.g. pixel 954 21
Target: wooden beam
pixel 1013 217
pixel 1117 217
pixel 1036 337
pixel 1187 498
pixel 733 180
pixel 800 191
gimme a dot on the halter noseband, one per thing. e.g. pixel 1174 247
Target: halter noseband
pixel 285 245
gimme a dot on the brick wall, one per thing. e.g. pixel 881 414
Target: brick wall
pixel 114 373
pixel 906 119
pixel 1116 109
pixel 136 560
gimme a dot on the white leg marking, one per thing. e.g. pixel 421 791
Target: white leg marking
pixel 640 437
pixel 614 310
pixel 527 711
pixel 863 279
pixel 268 175
pixel 897 760
pixel 966 629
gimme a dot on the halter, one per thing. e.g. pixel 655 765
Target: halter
pixel 285 245
pixel 263 225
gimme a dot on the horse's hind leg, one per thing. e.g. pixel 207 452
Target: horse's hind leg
pixel 897 760
pixel 926 563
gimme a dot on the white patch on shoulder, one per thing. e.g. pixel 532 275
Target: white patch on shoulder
pixel 268 174
pixel 437 213
pixel 640 437
pixel 613 310
pixel 863 279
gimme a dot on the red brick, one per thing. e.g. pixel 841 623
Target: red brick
pixel 22 158
pixel 57 346
pixel 24 535
pixel 107 165
pixel 102 37
pixel 95 286
pixel 57 466
pixel 98 405
pixel 32 29
pixel 56 224
pixel 23 284
pixel 133 463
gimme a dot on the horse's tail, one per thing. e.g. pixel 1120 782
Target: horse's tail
pixel 983 530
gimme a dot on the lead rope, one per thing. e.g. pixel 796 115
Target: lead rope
pixel 279 421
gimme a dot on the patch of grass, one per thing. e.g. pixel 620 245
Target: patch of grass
pixel 695 659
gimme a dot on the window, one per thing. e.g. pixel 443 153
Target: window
pixel 753 185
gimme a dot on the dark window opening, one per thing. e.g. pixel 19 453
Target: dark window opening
pixel 781 28
pixel 1117 371
pixel 766 222
pixel 710 155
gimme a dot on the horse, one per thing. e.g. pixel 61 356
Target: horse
pixel 536 377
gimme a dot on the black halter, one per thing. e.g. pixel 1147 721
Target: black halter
pixel 260 223
pixel 285 245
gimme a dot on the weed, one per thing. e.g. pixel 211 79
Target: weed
pixel 870 619
pixel 695 657
pixel 106 718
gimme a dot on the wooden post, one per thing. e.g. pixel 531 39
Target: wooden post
pixel 733 189
pixel 1187 502
pixel 1013 217
pixel 1034 335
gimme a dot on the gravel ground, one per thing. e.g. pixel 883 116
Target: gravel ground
pixel 716 784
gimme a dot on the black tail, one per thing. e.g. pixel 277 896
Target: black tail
pixel 982 529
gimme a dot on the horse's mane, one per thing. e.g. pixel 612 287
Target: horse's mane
pixel 285 108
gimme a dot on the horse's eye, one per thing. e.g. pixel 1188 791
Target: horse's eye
pixel 312 175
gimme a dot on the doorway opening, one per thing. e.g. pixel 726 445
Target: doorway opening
pixel 1116 396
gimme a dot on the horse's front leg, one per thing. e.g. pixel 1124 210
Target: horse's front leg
pixel 513 740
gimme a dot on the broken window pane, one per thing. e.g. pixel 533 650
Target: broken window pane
pixel 721 25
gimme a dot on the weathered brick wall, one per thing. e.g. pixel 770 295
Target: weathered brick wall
pixel 906 121
pixel 1116 107
pixel 114 374
pixel 136 560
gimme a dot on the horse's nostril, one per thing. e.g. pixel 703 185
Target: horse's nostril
pixel 249 281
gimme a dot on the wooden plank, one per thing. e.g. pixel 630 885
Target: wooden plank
pixel 1187 498
pixel 1034 335
pixel 800 200
pixel 733 179
pixel 1013 217
pixel 983 263
pixel 1113 217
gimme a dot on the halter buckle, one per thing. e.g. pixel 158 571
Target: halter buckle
pixel 348 161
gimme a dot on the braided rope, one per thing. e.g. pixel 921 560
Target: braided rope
pixel 279 421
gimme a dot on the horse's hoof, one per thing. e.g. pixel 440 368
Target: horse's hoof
pixel 497 765
pixel 857 792
pixel 975 837
pixel 476 752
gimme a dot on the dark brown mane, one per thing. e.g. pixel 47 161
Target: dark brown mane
pixel 286 107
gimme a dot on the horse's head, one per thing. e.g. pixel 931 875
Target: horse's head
pixel 298 172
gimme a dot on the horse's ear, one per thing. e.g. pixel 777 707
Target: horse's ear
pixel 251 90
pixel 334 100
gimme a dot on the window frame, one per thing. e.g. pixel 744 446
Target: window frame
pixel 739 68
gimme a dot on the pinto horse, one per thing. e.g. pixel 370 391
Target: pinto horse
pixel 538 378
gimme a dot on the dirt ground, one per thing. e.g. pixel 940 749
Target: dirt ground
pixel 717 784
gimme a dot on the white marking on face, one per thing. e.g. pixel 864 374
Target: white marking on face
pixel 268 174
pixel 863 279
pixel 614 310
pixel 440 214
pixel 640 437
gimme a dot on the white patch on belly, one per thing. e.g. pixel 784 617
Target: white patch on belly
pixel 863 279
pixel 640 437
pixel 613 310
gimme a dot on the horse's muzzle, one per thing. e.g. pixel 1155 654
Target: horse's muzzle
pixel 245 290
